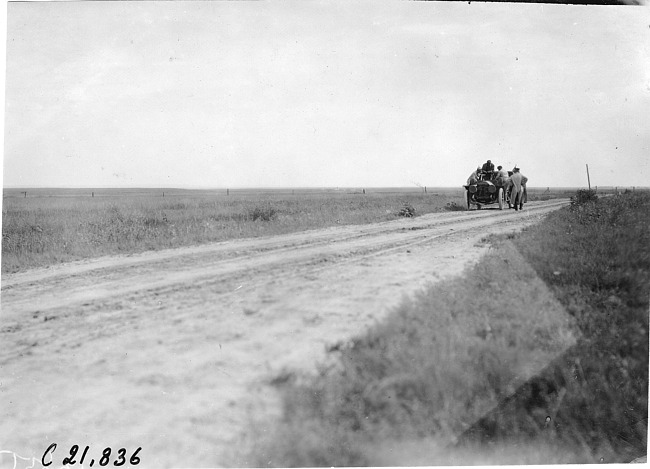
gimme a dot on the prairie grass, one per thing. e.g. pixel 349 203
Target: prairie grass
pixel 539 354
pixel 53 226
pixel 42 231
pixel 595 257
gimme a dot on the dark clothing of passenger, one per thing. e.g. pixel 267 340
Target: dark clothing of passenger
pixel 488 167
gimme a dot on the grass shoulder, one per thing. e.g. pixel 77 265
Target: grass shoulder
pixel 543 345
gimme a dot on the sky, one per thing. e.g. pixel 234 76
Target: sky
pixel 324 94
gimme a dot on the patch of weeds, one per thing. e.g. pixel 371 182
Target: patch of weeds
pixel 490 239
pixel 407 210
pixel 454 207
pixel 262 213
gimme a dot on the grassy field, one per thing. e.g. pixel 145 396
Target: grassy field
pixel 537 355
pixel 53 226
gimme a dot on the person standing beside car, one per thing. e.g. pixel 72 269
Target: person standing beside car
pixel 524 194
pixel 502 176
pixel 518 183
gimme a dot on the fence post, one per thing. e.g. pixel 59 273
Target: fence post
pixel 425 189
pixel 92 194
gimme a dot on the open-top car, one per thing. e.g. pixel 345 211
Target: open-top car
pixel 487 189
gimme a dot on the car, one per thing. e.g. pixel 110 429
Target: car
pixel 487 190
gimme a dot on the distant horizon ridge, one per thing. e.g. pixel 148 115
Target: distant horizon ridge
pixel 224 188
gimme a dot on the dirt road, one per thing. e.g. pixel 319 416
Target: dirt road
pixel 172 351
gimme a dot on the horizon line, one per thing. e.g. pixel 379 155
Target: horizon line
pixel 224 188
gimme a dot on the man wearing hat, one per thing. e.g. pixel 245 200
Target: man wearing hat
pixel 502 176
pixel 518 189
pixel 473 178
pixel 488 168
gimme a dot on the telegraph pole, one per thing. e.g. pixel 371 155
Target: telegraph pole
pixel 588 180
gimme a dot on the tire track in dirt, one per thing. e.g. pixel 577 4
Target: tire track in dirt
pixel 172 350
pixel 41 290
pixel 261 245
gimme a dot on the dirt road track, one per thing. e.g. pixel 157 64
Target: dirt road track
pixel 172 350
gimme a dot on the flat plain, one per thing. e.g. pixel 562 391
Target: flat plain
pixel 175 349
pixel 44 227
pixel 178 334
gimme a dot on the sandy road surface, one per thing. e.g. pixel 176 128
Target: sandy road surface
pixel 172 350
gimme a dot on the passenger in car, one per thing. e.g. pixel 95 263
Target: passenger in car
pixel 488 167
pixel 474 177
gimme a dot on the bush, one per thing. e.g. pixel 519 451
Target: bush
pixel 583 196
pixel 407 210
pixel 262 213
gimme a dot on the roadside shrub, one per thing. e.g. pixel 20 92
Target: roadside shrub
pixel 262 213
pixel 407 210
pixel 583 196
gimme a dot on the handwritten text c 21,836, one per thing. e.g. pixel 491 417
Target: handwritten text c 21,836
pixel 119 458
